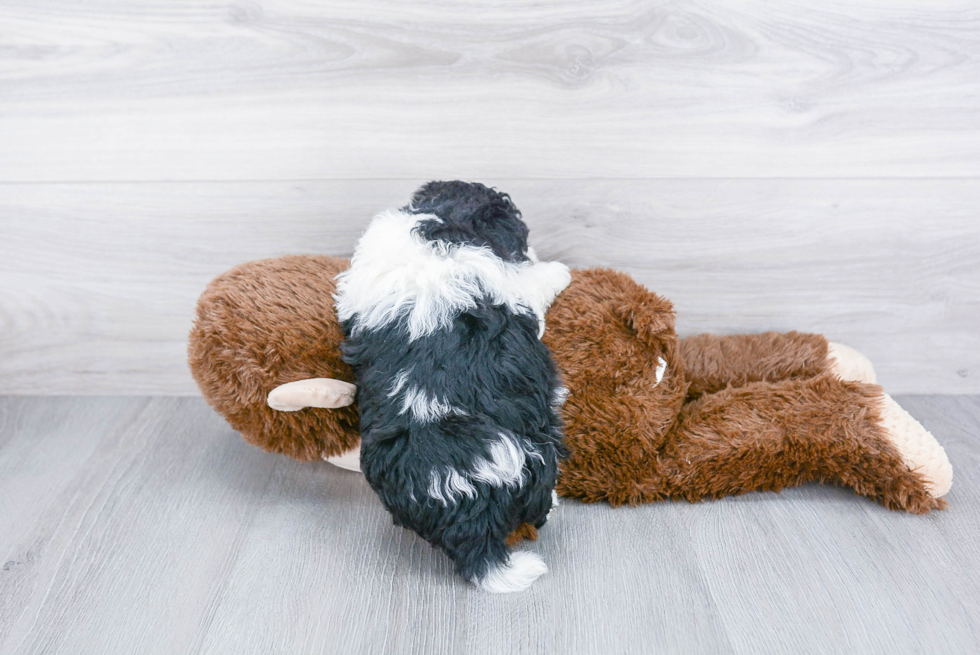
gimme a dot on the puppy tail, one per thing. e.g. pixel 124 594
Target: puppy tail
pixel 516 573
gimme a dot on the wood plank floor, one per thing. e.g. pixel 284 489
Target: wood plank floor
pixel 145 525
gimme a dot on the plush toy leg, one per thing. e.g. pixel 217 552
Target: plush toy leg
pixel 770 436
pixel 714 362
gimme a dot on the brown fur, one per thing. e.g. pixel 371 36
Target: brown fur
pixel 607 334
pixel 713 362
pixel 768 436
pixel 523 531
pixel 263 324
pixel 731 414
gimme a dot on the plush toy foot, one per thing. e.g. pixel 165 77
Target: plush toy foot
pixel 350 460
pixel 314 392
pixel 920 450
pixel 848 364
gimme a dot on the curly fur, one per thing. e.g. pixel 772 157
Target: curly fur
pixel 459 437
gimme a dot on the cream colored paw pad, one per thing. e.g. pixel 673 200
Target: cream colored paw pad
pixel 920 450
pixel 848 364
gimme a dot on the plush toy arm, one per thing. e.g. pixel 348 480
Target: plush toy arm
pixel 313 392
pixel 714 362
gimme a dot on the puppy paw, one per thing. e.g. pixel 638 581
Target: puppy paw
pixel 848 364
pixel 543 281
pixel 522 569
pixel 314 392
pixel 919 449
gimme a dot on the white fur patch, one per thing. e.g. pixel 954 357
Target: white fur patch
pixel 517 574
pixel 505 466
pixel 398 383
pixel 532 452
pixel 424 408
pixel 448 486
pixel 661 369
pixel 559 396
pixel 396 274
pixel 554 503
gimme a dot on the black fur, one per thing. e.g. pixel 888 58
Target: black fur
pixel 474 214
pixel 491 365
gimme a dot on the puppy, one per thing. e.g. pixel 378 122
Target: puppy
pixel 442 309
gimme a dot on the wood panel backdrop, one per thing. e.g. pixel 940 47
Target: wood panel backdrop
pixel 793 165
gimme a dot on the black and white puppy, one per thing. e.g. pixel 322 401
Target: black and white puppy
pixel 443 308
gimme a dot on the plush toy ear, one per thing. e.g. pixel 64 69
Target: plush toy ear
pixel 611 302
pixel 649 315
pixel 313 392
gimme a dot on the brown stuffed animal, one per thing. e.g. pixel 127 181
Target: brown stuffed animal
pixel 649 416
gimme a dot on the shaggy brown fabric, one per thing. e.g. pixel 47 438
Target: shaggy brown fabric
pixel 263 324
pixel 767 436
pixel 730 415
pixel 608 334
pixel 713 362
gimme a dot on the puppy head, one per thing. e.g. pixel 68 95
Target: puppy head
pixel 472 214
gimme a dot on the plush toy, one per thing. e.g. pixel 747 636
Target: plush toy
pixel 648 417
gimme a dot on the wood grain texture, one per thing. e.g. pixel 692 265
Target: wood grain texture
pixel 98 281
pixel 681 142
pixel 292 89
pixel 145 525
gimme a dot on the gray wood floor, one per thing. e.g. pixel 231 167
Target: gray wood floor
pixel 146 525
